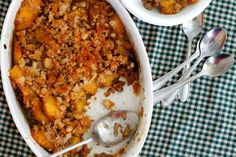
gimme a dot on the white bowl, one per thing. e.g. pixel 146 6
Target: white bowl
pixel 145 100
pixel 156 18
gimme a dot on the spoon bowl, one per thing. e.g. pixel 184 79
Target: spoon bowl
pixel 109 130
pixel 218 65
pixel 193 27
pixel 212 42
pixel 213 67
pixel 209 42
pixel 209 45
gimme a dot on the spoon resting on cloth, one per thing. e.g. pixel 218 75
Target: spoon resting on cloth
pixel 109 130
pixel 211 44
pixel 216 38
pixel 213 67
pixel 191 29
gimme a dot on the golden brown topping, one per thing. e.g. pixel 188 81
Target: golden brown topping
pixel 126 132
pixel 149 4
pixel 105 79
pixel 117 128
pixel 63 52
pixel 108 104
pixel 168 6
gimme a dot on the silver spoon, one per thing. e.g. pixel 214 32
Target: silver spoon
pixel 213 67
pixel 158 83
pixel 191 29
pixel 209 45
pixel 108 130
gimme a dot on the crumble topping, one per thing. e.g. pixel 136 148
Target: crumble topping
pixel 63 52
pixel 168 6
pixel 108 104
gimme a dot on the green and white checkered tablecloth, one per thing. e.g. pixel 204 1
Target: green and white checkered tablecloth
pixel 203 126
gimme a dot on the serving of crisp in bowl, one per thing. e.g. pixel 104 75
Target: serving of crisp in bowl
pixel 65 64
pixel 166 12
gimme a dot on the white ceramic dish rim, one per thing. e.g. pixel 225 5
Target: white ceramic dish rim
pixel 15 109
pixel 154 17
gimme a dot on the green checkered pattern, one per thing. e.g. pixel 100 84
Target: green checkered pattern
pixel 203 126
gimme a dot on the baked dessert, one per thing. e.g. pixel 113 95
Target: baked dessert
pixel 63 52
pixel 168 6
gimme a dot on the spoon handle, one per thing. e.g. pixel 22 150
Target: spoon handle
pixel 71 147
pixel 171 97
pixel 185 90
pixel 162 93
pixel 158 83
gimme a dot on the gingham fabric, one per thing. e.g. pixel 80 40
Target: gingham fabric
pixel 203 126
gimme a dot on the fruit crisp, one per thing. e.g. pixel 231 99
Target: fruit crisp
pixel 63 52
pixel 168 6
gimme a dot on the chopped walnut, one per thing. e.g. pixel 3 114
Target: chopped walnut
pixel 124 115
pixel 168 6
pixel 126 132
pixel 108 104
pixel 117 126
pixel 149 4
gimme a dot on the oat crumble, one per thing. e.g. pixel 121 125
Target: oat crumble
pixel 63 52
pixel 168 6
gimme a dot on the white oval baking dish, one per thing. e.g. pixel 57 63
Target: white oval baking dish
pixel 134 147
